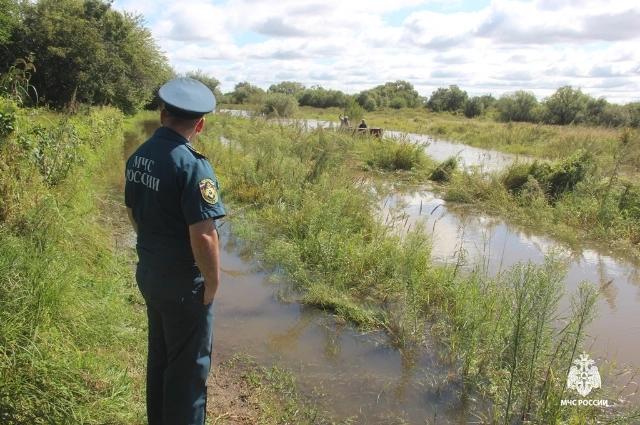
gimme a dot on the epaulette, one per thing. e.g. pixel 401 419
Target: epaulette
pixel 194 150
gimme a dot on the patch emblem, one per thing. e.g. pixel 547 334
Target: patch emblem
pixel 209 191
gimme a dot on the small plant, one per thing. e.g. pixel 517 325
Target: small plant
pixel 54 151
pixel 15 84
pixel 7 119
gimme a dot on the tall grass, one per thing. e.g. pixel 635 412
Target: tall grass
pixel 69 335
pixel 578 197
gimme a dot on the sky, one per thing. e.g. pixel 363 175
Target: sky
pixel 483 46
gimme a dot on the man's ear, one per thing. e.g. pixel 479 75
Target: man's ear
pixel 200 125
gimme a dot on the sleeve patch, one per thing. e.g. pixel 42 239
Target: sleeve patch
pixel 209 191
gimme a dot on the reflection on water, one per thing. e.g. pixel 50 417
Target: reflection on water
pixel 459 233
pixel 359 376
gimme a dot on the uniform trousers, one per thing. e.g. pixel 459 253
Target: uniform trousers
pixel 180 344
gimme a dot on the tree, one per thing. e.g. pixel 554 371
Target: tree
pixel 566 106
pixel 279 104
pixel 633 109
pixel 318 97
pixel 211 82
pixel 473 107
pixel 287 87
pixel 447 99
pixel 86 52
pixel 518 106
pixel 9 20
pixel 399 93
pixel 246 92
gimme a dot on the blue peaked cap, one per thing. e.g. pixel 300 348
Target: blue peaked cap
pixel 187 98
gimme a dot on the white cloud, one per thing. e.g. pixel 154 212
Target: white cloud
pixel 537 45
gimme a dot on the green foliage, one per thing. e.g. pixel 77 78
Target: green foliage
pixel 8 118
pixel 318 97
pixel 55 152
pixel 288 87
pixel 447 99
pixel 86 52
pixel 279 105
pixel 393 155
pixel 15 84
pixel 566 106
pixel 634 114
pixel 398 103
pixel 67 329
pixel 444 170
pixel 517 106
pixel 211 82
pixel 601 112
pixel 245 93
pixel 555 179
pixel 398 94
pixel 473 107
pixel 503 334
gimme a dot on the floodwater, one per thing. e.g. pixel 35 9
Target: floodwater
pixel 359 376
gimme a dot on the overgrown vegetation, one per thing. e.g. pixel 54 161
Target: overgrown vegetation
pixel 591 194
pixel 310 211
pixel 84 52
pixel 70 339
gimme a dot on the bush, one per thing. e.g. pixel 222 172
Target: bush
pixel 444 170
pixel 278 104
pixel 517 106
pixel 473 107
pixel 555 178
pixel 390 155
pixel 397 103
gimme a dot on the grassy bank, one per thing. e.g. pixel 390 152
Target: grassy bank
pixel 70 339
pixel 305 202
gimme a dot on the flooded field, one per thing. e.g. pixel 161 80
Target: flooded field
pixel 358 376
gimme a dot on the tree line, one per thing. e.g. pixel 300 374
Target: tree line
pixel 565 106
pixel 64 53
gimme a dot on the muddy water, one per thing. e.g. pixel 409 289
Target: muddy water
pixel 359 376
pixel 479 239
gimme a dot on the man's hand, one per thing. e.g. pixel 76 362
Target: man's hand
pixel 204 243
pixel 132 221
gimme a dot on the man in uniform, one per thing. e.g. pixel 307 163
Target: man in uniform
pixel 172 200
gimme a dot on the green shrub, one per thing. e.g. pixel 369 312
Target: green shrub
pixel 280 105
pixel 393 155
pixel 444 170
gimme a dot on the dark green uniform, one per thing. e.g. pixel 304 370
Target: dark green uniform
pixel 169 186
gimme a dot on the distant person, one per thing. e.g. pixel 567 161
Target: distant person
pixel 363 124
pixel 344 122
pixel 173 200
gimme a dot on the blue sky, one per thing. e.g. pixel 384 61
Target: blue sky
pixel 484 47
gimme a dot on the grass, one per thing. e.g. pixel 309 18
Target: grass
pixel 70 339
